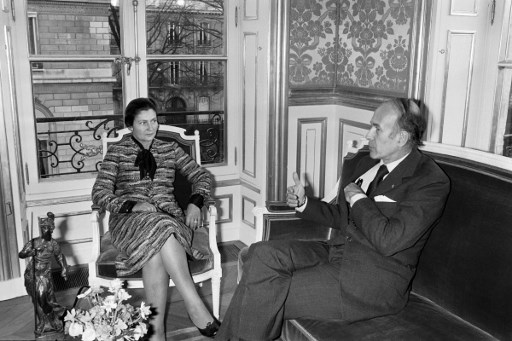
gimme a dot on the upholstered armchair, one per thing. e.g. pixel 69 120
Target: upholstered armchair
pixel 102 265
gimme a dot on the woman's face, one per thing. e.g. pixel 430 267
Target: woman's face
pixel 145 127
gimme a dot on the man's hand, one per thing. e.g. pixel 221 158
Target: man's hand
pixel 193 218
pixel 296 194
pixel 143 207
pixel 351 190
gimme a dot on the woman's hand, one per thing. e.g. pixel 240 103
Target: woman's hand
pixel 193 218
pixel 143 207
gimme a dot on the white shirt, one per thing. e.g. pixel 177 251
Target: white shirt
pixel 367 178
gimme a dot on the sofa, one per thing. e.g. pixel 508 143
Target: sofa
pixel 463 286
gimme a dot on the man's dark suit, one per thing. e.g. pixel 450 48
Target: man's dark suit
pixel 374 252
pixel 383 240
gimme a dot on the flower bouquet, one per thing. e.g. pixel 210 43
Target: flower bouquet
pixel 108 318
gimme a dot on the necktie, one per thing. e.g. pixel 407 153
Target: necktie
pixel 383 170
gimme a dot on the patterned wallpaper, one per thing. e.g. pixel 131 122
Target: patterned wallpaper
pixel 359 44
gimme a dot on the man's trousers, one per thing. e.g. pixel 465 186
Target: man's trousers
pixel 282 280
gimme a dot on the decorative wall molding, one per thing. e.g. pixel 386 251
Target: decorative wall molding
pixel 343 124
pixel 250 186
pixel 250 103
pixel 247 207
pixel 251 9
pixel 311 152
pixel 219 200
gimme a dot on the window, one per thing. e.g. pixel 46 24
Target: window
pixel 75 83
pixel 173 35
pixel 204 70
pixel 175 73
pixel 33 47
pixel 204 39
pixel 193 70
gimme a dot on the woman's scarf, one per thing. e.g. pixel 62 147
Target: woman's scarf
pixel 145 161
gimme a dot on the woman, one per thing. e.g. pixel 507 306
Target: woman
pixel 135 183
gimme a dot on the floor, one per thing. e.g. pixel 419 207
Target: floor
pixel 17 316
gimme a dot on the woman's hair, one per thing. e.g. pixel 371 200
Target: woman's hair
pixel 135 107
pixel 411 120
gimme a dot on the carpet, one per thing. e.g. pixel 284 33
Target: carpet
pixel 185 334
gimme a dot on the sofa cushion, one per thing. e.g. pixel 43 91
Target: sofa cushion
pixel 202 262
pixel 420 320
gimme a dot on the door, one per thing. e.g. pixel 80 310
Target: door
pixel 463 71
pixel 11 186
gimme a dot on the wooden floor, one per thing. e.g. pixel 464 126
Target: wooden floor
pixel 17 315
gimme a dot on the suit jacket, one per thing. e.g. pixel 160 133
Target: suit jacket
pixel 382 241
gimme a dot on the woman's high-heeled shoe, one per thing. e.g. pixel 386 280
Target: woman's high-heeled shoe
pixel 211 328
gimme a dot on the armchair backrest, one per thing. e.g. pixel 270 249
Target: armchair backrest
pixel 189 143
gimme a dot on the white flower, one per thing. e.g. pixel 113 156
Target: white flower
pixel 108 316
pixel 115 285
pixel 110 302
pixel 75 329
pixel 145 310
pixel 139 331
pixel 123 295
pixel 70 315
pixel 89 335
pixel 120 326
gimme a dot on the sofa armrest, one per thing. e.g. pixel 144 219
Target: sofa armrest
pixel 274 224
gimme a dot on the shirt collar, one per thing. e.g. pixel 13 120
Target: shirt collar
pixel 392 165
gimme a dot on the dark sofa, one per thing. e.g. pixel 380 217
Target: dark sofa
pixel 463 286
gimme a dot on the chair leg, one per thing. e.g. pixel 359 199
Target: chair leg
pixel 216 296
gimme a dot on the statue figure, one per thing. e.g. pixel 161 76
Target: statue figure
pixel 38 280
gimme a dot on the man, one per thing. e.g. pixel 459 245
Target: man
pixel 367 268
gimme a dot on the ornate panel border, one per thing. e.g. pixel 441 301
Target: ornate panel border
pixel 251 9
pixel 250 103
pixel 342 127
pixel 219 200
pixel 318 126
pixel 248 212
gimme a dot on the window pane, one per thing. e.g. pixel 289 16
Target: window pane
pixel 73 28
pixel 190 94
pixel 74 103
pixel 185 27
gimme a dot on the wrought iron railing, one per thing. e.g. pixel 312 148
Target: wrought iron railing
pixel 71 145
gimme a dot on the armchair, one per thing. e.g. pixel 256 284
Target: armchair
pixel 102 265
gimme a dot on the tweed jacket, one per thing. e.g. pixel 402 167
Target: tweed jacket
pixel 381 241
pixel 119 180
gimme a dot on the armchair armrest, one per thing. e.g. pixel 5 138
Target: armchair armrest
pixel 212 227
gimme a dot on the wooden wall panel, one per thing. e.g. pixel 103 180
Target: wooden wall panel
pixel 464 7
pixel 250 103
pixel 311 139
pixel 251 9
pixel 247 207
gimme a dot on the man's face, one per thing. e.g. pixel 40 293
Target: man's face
pixel 145 127
pixel 385 141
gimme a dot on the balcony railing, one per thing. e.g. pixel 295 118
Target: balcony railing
pixel 72 145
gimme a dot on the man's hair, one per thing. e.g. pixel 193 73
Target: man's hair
pixel 135 107
pixel 410 119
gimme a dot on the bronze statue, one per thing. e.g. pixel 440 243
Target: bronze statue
pixel 38 277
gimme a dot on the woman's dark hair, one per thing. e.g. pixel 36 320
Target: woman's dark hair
pixel 135 107
pixel 411 120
